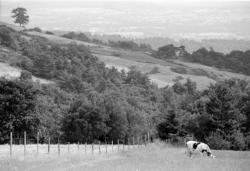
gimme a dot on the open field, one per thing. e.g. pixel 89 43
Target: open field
pixel 154 157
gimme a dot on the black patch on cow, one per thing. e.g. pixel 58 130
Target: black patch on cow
pixel 203 151
pixel 195 145
pixel 208 153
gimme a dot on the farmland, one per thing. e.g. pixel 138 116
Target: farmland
pixel 153 157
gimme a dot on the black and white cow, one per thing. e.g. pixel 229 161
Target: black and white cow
pixel 198 147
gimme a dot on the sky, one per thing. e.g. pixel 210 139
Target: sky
pixel 151 1
pixel 194 19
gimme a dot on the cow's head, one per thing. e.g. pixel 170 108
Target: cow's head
pixel 209 154
pixel 212 156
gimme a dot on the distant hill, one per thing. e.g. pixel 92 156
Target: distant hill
pixel 161 72
pixel 220 45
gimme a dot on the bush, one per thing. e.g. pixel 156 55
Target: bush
pixel 116 54
pixel 179 70
pixel 25 75
pixel 155 70
pixel 216 141
pixel 79 36
pixel 247 139
pixel 9 37
pixel 238 141
pixel 37 29
pixel 178 78
pixel 48 32
pixel 24 63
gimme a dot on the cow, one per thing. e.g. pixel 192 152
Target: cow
pixel 198 147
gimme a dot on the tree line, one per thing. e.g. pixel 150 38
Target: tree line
pixel 235 61
pixel 90 102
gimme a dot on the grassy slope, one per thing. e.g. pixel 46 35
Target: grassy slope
pixel 10 72
pixel 123 59
pixel 201 74
pixel 170 71
pixel 152 158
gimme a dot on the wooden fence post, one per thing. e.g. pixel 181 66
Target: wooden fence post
pixel 92 148
pixel 99 147
pixel 145 139
pixel 24 142
pixel 118 145
pixel 106 146
pixel 58 143
pixel 112 145
pixel 128 143
pixel 123 144
pixel 78 145
pixel 138 141
pixel 68 147
pixel 148 137
pixel 37 141
pixel 48 145
pixel 85 147
pixel 11 143
pixel 133 142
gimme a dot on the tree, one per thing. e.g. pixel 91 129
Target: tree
pixel 20 16
pixel 9 37
pixel 167 52
pixel 169 126
pixel 18 100
pixel 84 122
pixel 25 75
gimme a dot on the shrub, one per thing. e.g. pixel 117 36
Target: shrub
pixel 155 70
pixel 9 37
pixel 48 32
pixel 178 78
pixel 247 139
pixel 116 54
pixel 25 75
pixel 37 29
pixel 179 70
pixel 238 141
pixel 216 141
pixel 23 62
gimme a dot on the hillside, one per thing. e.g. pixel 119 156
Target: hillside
pixel 168 73
pixel 220 45
pixel 9 57
pixel 90 92
pixel 10 72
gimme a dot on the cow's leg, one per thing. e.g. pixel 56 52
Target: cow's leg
pixel 189 153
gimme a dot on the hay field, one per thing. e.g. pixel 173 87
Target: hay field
pixel 154 157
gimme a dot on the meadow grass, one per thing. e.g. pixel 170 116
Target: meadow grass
pixel 159 158
pixel 154 157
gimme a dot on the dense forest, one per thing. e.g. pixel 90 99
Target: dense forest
pixel 89 102
pixel 235 61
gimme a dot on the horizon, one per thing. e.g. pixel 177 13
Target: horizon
pixel 196 20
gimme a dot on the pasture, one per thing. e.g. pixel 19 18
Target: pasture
pixel 154 157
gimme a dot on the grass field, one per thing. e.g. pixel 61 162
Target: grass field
pixel 154 157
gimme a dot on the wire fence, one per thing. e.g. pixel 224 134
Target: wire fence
pixel 26 146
